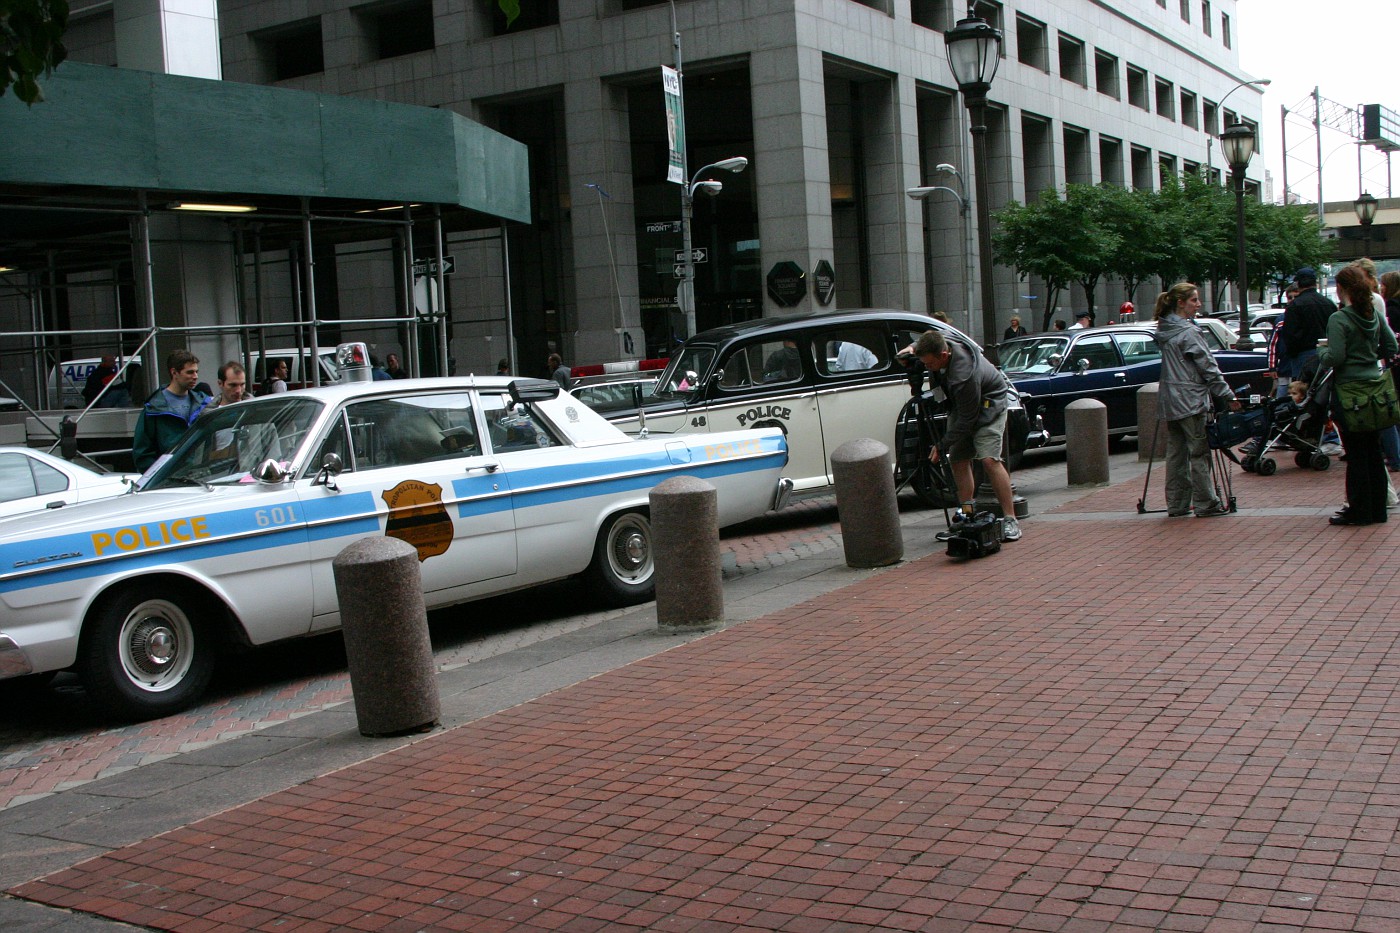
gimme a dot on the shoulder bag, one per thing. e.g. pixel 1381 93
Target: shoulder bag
pixel 1368 406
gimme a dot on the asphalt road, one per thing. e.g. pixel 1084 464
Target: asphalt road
pixel 53 738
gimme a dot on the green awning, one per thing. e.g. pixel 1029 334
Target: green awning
pixel 115 128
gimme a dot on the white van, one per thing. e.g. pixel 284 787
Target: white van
pixel 66 381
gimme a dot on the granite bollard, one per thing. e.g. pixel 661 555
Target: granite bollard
pixel 866 505
pixel 1086 442
pixel 1152 437
pixel 685 549
pixel 380 588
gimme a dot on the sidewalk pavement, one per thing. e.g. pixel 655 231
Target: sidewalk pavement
pixel 1121 722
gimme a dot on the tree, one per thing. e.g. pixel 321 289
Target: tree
pixel 1027 237
pixel 1138 253
pixel 30 44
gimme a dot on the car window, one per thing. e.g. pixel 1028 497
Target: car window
pixel 1035 355
pixel 391 432
pixel 225 444
pixel 850 350
pixel 781 361
pixel 1138 348
pixel 676 381
pixel 1097 350
pixel 516 426
pixel 21 477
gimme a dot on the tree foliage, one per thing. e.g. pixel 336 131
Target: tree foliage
pixel 1184 232
pixel 31 47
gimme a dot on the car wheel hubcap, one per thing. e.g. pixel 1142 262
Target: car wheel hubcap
pixel 157 641
pixel 631 551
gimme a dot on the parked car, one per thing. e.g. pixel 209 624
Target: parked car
pixel 823 378
pixel 1108 364
pixel 499 484
pixel 613 395
pixel 34 481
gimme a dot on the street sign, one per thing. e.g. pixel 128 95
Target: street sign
pixel 678 270
pixel 787 284
pixel 429 266
pixel 698 254
pixel 824 282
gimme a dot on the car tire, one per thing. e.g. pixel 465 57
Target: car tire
pixel 145 656
pixel 623 572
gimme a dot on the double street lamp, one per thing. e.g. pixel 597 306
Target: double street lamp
pixel 923 193
pixel 974 51
pixel 1366 214
pixel 1237 142
pixel 685 291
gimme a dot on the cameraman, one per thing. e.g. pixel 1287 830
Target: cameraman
pixel 977 394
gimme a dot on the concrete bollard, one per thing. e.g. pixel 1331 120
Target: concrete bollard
pixel 380 588
pixel 865 503
pixel 1086 442
pixel 685 547
pixel 1152 438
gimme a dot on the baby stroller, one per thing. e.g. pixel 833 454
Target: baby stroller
pixel 1296 426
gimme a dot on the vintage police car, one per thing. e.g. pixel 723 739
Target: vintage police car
pixel 825 378
pixel 499 483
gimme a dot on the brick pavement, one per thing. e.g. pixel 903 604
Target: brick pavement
pixel 1176 725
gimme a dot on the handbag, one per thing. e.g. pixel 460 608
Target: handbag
pixel 1368 406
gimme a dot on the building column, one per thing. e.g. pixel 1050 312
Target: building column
pixel 192 268
pixel 894 222
pixel 608 316
pixel 791 163
pixel 177 37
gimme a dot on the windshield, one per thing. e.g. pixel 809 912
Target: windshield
pixel 224 445
pixel 675 382
pixel 1038 355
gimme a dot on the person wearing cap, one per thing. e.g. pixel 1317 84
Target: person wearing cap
pixel 1015 330
pixel 1305 320
pixel 1082 319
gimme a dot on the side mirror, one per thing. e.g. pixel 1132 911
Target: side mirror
pixel 331 467
pixel 1081 366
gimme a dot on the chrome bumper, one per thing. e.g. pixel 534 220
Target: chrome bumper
pixel 13 662
pixel 783 495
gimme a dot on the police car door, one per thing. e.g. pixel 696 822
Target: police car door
pixel 860 388
pixel 768 383
pixel 414 470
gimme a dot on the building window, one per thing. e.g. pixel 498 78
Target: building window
pixel 532 16
pixel 395 29
pixel 1206 24
pixel 882 5
pixel 1032 45
pixel 1137 88
pixel 1162 4
pixel 1225 29
pixel 1111 161
pixel 932 14
pixel 1166 166
pixel 1079 166
pixel 1186 11
pixel 1166 100
pixel 1143 179
pixel 1106 74
pixel 290 51
pixel 1072 67
pixel 1210 116
pixel 1189 115
pixel 991 12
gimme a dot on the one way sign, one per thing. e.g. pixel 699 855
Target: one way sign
pixel 698 254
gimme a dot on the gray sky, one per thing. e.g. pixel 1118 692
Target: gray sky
pixel 1302 44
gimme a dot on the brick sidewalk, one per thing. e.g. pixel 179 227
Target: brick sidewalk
pixel 1179 724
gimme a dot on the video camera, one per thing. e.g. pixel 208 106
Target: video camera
pixel 973 536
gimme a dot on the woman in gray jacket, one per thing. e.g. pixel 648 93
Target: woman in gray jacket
pixel 1190 379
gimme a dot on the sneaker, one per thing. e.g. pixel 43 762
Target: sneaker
pixel 1213 511
pixel 1172 514
pixel 1010 529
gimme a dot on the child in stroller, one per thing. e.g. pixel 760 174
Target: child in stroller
pixel 1296 422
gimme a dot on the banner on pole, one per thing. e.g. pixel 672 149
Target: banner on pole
pixel 675 124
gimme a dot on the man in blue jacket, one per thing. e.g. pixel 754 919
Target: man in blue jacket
pixel 169 411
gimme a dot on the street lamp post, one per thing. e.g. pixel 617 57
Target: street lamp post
pixel 974 51
pixel 965 209
pixel 1366 213
pixel 685 292
pixel 1257 82
pixel 1237 142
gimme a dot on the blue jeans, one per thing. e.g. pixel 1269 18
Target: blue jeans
pixel 1390 447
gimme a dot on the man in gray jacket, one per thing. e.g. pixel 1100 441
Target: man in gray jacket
pixel 977 393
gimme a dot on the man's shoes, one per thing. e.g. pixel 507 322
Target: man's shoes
pixel 1213 511
pixel 1010 529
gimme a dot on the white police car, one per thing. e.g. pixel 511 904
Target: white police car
pixel 499 483
pixel 32 481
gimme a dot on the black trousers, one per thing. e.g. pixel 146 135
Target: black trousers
pixel 1366 476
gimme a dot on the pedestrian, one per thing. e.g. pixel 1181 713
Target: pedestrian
pixel 1082 319
pixel 97 380
pixel 1190 380
pixel 378 372
pixel 1280 365
pixel 277 379
pixel 393 368
pixel 233 385
pixel 1059 324
pixel 1357 340
pixel 977 392
pixel 168 411
pixel 1305 319
pixel 942 316
pixel 1014 329
pixel 558 371
pixel 1389 437
pixel 503 367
